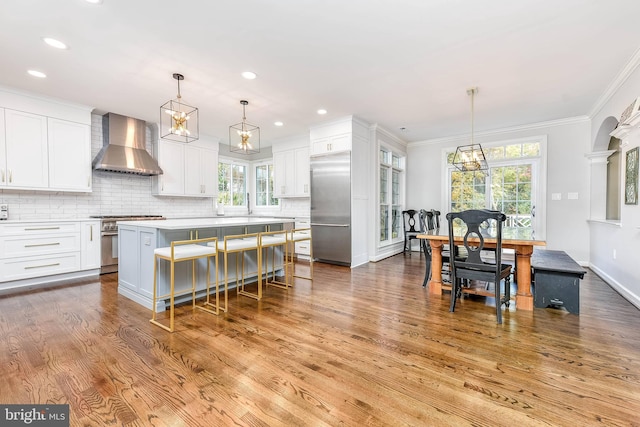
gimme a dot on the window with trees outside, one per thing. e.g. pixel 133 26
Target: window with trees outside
pixel 264 186
pixel 511 185
pixel 390 209
pixel 232 183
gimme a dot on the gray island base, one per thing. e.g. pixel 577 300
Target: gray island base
pixel 137 241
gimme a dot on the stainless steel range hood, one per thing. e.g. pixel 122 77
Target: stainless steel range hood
pixel 124 148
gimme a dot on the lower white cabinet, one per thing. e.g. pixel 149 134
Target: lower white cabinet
pixel 30 250
pixel 90 247
pixel 303 249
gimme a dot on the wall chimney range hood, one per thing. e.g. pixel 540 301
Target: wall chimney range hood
pixel 124 147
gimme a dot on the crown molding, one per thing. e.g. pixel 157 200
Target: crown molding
pixel 377 128
pixel 617 82
pixel 521 128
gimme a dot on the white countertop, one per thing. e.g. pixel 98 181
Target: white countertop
pixel 178 224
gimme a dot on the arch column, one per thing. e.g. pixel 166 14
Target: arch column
pixel 598 160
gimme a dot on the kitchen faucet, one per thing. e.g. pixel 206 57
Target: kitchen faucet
pixel 248 204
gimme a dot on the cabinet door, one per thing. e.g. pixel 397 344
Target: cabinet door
pixel 302 172
pixel 3 151
pixel 69 155
pixel 209 172
pixel 200 171
pixel 171 160
pixel 90 245
pixel 192 171
pixel 281 164
pixel 333 144
pixel 26 150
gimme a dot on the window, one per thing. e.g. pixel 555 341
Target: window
pixel 232 183
pixel 264 186
pixel 390 210
pixel 510 185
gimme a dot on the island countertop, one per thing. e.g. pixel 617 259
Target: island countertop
pixel 184 223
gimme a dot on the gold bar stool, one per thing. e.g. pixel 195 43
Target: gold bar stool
pixel 272 240
pixel 182 250
pixel 239 244
pixel 294 236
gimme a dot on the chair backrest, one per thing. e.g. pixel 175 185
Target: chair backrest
pixel 436 218
pixel 426 220
pixel 410 221
pixel 476 225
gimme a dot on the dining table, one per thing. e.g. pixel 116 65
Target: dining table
pixel 521 240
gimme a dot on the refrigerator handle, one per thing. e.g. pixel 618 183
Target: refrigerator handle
pixel 329 225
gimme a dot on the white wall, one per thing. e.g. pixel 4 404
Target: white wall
pixel 623 237
pixel 568 171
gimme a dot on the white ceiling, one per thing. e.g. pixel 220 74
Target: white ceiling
pixel 398 63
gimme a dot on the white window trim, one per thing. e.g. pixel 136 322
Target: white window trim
pixel 541 178
pixel 391 241
pixel 248 177
pixel 253 191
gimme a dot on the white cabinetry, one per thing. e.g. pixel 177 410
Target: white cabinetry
pixel 291 172
pixel 69 155
pixel 45 252
pixel 90 245
pixel 303 249
pixel 331 144
pixel 201 178
pixel 189 169
pixel 26 154
pixel 44 144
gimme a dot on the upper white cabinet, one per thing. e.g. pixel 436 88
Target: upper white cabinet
pixel 291 172
pixel 26 153
pixel 201 178
pixel 44 144
pixel 69 155
pixel 331 144
pixel 189 169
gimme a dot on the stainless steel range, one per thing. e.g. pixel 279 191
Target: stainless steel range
pixel 109 238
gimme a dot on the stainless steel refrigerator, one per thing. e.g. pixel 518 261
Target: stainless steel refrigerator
pixel 331 207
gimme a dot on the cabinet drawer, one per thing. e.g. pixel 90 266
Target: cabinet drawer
pixel 18 246
pixel 302 248
pixel 32 229
pixel 25 268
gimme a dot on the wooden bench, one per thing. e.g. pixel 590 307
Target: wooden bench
pixel 556 278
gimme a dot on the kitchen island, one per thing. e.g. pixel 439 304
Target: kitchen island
pixel 137 241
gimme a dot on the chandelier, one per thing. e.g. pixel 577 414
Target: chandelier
pixel 470 158
pixel 244 137
pixel 178 121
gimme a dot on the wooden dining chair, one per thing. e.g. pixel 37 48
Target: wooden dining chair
pixel 411 228
pixel 473 267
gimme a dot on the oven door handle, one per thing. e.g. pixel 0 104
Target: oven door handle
pixel 109 234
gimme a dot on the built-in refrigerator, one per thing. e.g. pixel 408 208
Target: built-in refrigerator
pixel 331 207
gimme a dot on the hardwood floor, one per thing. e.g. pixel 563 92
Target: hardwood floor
pixel 367 346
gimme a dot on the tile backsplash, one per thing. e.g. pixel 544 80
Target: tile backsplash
pixel 122 194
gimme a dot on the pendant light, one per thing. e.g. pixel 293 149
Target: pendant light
pixel 244 137
pixel 178 121
pixel 470 158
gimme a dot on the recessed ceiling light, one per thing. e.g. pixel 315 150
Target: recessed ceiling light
pixel 94 1
pixel 322 111
pixel 249 75
pixel 38 74
pixel 54 43
pixel 278 123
